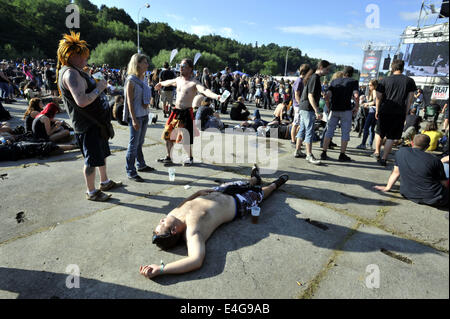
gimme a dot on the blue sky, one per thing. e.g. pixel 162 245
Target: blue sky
pixel 327 29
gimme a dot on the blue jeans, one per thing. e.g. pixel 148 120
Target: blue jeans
pixel 134 152
pixel 306 131
pixel 369 129
pixel 6 90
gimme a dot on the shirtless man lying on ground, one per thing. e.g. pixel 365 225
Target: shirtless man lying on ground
pixel 201 214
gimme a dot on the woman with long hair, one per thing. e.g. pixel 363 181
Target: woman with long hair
pixel 371 122
pixel 35 106
pixel 137 100
pixel 45 127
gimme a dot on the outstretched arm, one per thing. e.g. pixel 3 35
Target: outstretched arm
pixel 196 255
pixel 172 82
pixel 207 92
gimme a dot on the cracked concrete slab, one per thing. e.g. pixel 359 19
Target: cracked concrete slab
pixel 315 238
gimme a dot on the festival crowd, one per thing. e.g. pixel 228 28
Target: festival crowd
pixel 389 112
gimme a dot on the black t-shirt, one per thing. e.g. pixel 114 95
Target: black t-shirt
pixel 237 109
pixel 395 89
pixel 315 88
pixel 342 93
pixel 226 81
pixel 420 175
pixel 167 75
pixel 206 81
pixel 413 120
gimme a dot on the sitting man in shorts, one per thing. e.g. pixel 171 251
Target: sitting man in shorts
pixel 200 215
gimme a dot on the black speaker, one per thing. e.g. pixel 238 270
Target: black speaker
pixel 387 63
pixel 444 9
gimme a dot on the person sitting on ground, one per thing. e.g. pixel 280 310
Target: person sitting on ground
pixel 200 215
pixel 34 108
pixel 432 111
pixel 423 178
pixel 205 116
pixel 432 132
pixel 117 110
pixel 280 113
pixel 46 128
pixel 255 122
pixel 412 126
pixel 239 111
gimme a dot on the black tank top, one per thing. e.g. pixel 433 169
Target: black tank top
pixel 96 109
pixel 39 131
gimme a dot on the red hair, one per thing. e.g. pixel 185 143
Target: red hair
pixel 50 110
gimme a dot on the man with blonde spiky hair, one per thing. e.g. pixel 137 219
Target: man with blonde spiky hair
pixel 89 111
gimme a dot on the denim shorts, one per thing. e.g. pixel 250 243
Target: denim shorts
pixel 94 147
pixel 306 131
pixel 345 117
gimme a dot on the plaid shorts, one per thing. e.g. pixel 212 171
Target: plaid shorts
pixel 246 200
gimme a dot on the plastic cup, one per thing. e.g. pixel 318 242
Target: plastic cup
pixel 172 174
pixel 224 96
pixel 255 214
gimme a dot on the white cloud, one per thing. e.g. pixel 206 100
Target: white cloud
pixel 174 17
pixel 202 30
pixel 354 60
pixel 345 33
pixel 409 16
pixel 248 23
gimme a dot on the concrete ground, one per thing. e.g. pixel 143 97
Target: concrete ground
pixel 325 234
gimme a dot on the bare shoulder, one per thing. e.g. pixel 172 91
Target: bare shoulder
pixel 72 79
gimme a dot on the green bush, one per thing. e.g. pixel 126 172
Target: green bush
pixel 115 52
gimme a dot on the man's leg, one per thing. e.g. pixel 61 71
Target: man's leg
pixel 89 176
pixel 294 133
pixel 378 142
pixel 387 148
pixel 103 175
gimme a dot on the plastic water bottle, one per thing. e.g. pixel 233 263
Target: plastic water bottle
pixel 224 96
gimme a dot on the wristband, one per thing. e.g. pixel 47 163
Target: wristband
pixel 162 266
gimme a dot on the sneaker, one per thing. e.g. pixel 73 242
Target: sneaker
pixel 344 158
pixel 98 196
pixel 188 162
pixel 324 156
pixel 137 179
pixel 147 169
pixel 312 160
pixel 299 154
pixel 255 173
pixel 111 185
pixel 281 180
pixel 165 160
pixel 361 147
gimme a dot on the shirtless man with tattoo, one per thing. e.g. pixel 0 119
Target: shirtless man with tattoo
pixel 187 88
pixel 200 215
pixel 81 96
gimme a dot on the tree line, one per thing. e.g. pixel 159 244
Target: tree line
pixel 33 28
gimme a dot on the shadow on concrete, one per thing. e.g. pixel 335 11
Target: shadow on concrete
pixel 32 284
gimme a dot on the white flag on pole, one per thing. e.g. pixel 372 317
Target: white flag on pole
pixel 173 54
pixel 197 56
